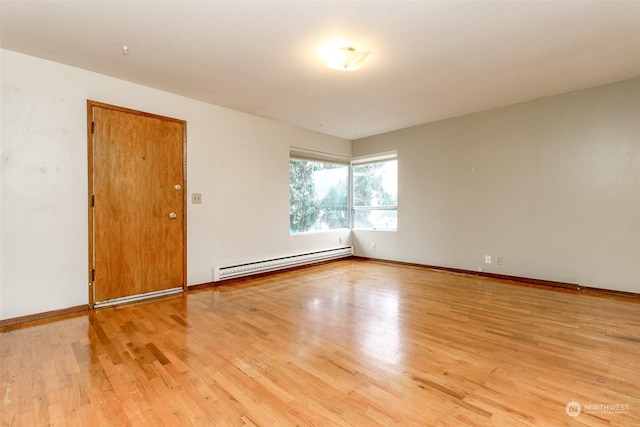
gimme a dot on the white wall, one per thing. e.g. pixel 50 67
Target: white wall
pixel 551 185
pixel 237 161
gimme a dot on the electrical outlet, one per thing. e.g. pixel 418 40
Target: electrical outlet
pixel 499 260
pixel 373 246
pixel 487 259
pixel 196 198
pixel 339 240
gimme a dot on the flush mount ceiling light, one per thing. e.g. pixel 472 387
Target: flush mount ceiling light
pixel 340 55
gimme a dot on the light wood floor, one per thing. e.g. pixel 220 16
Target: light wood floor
pixel 352 342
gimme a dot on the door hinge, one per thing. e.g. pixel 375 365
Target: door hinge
pixel 93 275
pixel 93 201
pixel 93 127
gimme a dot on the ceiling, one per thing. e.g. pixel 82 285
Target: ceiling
pixel 429 60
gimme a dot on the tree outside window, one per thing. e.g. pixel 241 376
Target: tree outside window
pixel 319 196
pixel 375 195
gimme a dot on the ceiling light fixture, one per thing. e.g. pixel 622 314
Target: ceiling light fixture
pixel 340 55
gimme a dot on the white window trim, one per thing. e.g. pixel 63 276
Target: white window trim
pixel 318 156
pixel 375 158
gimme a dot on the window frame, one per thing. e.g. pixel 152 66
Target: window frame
pixel 367 160
pixel 296 153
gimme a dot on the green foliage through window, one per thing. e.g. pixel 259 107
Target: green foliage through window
pixel 319 196
pixel 375 195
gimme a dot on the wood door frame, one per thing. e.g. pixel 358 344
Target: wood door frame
pixel 91 263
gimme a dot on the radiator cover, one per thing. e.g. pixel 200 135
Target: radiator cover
pixel 249 268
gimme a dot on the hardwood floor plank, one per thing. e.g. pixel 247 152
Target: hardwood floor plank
pixel 353 342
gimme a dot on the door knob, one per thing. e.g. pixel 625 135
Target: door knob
pixel 172 215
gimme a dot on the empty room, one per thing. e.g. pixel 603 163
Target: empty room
pixel 327 213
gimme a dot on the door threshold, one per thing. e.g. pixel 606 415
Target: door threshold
pixel 139 297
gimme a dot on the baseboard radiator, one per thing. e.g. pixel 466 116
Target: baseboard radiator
pixel 246 269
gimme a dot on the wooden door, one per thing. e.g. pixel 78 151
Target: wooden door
pixel 137 203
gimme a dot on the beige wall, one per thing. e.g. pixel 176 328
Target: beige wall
pixel 552 186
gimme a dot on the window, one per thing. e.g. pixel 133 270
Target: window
pixel 375 193
pixel 319 194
